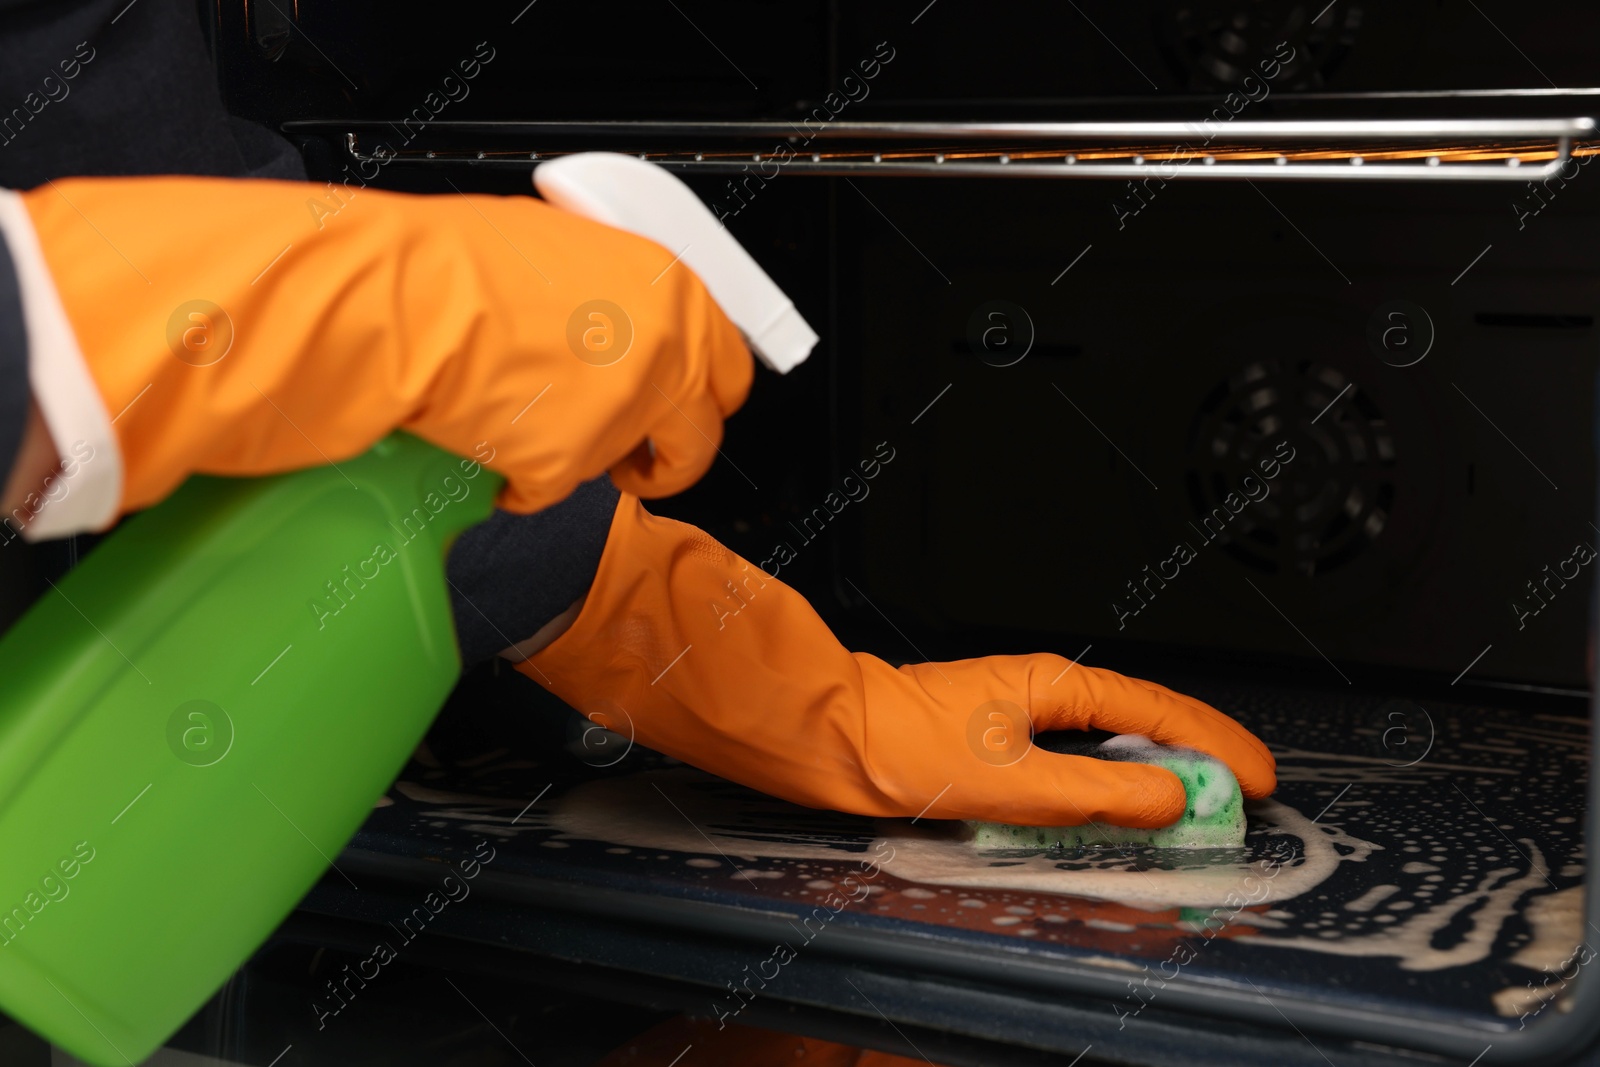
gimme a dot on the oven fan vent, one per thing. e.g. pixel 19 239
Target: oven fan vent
pixel 1332 453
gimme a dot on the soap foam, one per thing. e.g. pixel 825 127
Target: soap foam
pixel 631 811
pixel 1556 922
pixel 1484 909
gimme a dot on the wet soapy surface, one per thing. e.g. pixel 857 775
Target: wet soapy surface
pixel 1453 883
pixel 1214 818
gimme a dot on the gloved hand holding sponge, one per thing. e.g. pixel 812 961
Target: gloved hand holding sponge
pixel 411 312
pixel 728 669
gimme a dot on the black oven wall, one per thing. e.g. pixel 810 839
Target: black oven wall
pixel 1250 421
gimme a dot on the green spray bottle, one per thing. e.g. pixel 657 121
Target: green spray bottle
pixel 197 719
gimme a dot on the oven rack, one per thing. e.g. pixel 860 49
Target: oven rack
pixel 1426 150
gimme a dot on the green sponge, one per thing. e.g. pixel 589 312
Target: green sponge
pixel 1214 818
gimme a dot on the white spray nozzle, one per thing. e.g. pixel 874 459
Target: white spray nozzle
pixel 642 198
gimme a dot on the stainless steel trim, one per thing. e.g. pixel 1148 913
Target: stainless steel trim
pixel 1166 159
pixel 1247 130
pixel 1220 172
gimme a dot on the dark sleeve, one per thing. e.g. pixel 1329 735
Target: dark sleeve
pixel 108 87
pixel 511 574
pixel 14 390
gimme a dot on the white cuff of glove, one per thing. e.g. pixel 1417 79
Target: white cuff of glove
pixel 86 488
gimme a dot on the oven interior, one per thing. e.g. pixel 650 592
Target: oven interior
pixel 1363 401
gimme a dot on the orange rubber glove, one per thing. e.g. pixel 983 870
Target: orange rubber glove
pixel 711 661
pixel 246 327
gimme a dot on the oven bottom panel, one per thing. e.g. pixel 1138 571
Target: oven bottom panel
pixel 1421 861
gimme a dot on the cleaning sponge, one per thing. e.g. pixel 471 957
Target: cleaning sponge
pixel 1214 818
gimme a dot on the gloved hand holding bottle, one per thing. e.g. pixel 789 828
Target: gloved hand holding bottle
pixel 182 325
